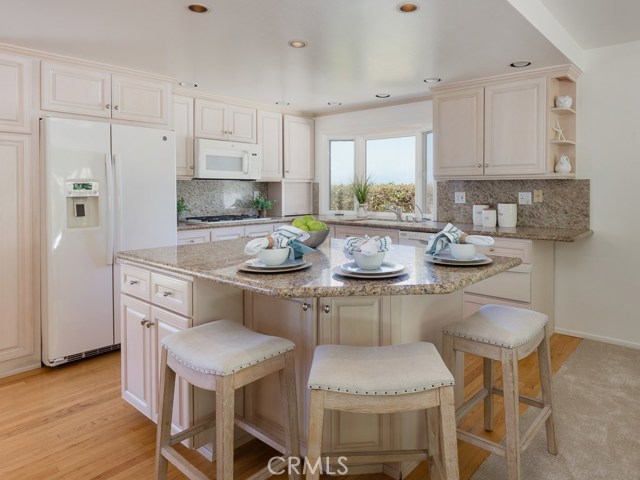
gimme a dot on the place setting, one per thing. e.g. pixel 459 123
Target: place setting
pixel 367 255
pixel 453 247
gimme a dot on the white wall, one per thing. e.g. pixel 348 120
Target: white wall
pixel 418 115
pixel 597 279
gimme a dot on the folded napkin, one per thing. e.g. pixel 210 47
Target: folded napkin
pixel 452 234
pixel 284 236
pixel 366 245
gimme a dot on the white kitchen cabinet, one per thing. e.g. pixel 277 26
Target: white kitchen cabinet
pixel 186 237
pixel 88 91
pixel 299 148
pixel 183 126
pixel 19 328
pixel 291 198
pixel 15 94
pixel 226 233
pixel 346 231
pixel 261 230
pixel 270 137
pixel 222 121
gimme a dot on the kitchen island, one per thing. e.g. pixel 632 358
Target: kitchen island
pixel 166 289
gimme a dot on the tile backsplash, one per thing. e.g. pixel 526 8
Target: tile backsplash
pixel 218 197
pixel 565 203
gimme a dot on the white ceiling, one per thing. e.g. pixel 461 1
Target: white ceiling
pixel 356 48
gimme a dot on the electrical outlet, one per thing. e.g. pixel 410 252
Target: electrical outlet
pixel 461 197
pixel 255 194
pixel 537 196
pixel 524 198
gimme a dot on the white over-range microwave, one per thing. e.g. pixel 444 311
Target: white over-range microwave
pixel 227 160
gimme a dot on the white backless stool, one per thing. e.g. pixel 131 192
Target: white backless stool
pixel 389 379
pixel 223 356
pixel 507 334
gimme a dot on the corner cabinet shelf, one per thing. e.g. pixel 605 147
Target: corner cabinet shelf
pixel 563 111
pixel 562 142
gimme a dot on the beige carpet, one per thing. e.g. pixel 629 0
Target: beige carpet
pixel 597 394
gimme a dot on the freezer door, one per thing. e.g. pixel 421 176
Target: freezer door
pixel 145 186
pixel 77 306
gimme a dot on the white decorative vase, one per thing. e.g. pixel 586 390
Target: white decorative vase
pixel 361 210
pixel 564 101
pixel 563 165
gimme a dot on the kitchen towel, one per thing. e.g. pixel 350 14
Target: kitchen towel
pixel 284 236
pixel 366 245
pixel 452 234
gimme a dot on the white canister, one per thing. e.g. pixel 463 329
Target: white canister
pixel 489 218
pixel 507 214
pixel 477 213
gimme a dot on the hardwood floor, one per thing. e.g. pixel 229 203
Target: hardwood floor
pixel 70 423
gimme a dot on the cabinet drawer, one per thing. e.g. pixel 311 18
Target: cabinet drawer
pixel 171 293
pixel 507 285
pixel 187 237
pixel 135 281
pixel 258 230
pixel 505 247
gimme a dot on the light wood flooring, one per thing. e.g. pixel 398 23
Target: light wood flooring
pixel 70 423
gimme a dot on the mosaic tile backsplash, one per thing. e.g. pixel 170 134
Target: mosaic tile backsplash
pixel 565 203
pixel 219 197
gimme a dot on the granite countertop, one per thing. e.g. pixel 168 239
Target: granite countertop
pixel 525 233
pixel 218 261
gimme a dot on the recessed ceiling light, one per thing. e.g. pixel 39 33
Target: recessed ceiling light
pixel 187 84
pixel 432 80
pixel 520 64
pixel 334 104
pixel 407 7
pixel 297 43
pixel 282 103
pixel 383 95
pixel 198 8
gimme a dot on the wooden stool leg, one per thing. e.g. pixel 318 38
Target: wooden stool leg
pixel 546 375
pixel 449 357
pixel 167 386
pixel 448 440
pixel 290 409
pixel 487 364
pixel 511 412
pixel 225 413
pixel 314 442
pixel 433 439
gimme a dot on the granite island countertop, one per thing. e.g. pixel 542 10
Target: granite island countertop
pixel 218 261
pixel 525 233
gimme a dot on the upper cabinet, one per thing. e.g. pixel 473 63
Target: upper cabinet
pixel 87 91
pixel 15 94
pixel 298 148
pixel 505 128
pixel 183 125
pixel 270 138
pixel 221 121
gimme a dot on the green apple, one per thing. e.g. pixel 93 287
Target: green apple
pixel 298 222
pixel 305 228
pixel 315 226
pixel 309 218
pixel 324 226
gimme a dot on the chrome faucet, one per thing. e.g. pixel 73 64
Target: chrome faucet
pixel 421 217
pixel 395 209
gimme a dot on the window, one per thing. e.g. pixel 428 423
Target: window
pixel 398 166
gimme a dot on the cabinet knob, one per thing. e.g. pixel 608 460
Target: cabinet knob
pixel 327 309
pixel 492 249
pixel 108 106
pixel 148 324
pixel 116 107
pixel 166 294
pixel 305 306
pixel 486 165
pixel 143 321
pixel 133 282
pixel 479 165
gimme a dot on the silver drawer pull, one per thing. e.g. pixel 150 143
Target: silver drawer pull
pixel 305 306
pixel 133 282
pixel 166 294
pixel 327 309
pixel 492 249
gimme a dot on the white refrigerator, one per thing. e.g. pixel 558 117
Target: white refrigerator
pixel 106 188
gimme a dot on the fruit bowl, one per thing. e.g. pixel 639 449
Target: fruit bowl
pixel 316 238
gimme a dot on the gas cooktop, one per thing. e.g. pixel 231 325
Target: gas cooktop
pixel 221 218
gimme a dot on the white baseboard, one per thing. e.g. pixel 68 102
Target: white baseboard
pixel 21 370
pixel 598 338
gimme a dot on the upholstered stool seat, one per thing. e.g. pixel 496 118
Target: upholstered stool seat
pixel 389 379
pixel 507 334
pixel 223 356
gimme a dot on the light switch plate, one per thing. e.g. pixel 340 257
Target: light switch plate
pixel 461 197
pixel 524 198
pixel 537 196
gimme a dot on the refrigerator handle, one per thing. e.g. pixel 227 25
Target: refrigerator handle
pixel 117 194
pixel 109 171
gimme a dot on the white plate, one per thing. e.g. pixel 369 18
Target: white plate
pixel 384 269
pixel 245 267
pixel 370 276
pixel 447 256
pixel 449 260
pixel 256 263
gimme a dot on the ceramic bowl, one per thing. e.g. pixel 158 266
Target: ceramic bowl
pixel 316 238
pixel 274 256
pixel 369 262
pixel 462 251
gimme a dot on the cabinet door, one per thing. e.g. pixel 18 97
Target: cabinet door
pixel 357 321
pixel 72 89
pixel 140 100
pixel 209 120
pixel 458 133
pixel 229 233
pixel 514 123
pixel 241 124
pixel 19 338
pixel 166 323
pixel 183 125
pixel 15 94
pixel 138 355
pixel 270 137
pixel 298 148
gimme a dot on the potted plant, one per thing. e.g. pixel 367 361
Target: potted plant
pixel 262 204
pixel 361 189
pixel 181 207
